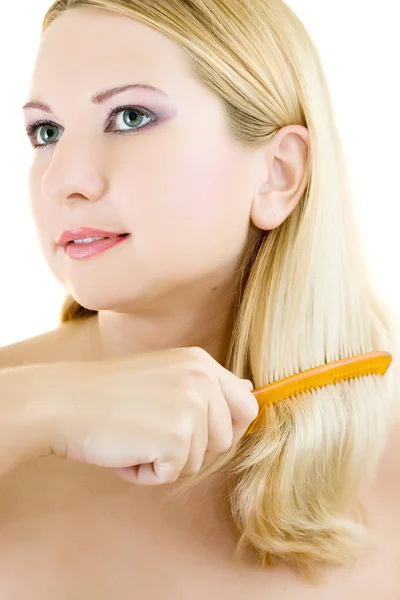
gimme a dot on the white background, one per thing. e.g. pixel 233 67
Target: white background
pixel 359 45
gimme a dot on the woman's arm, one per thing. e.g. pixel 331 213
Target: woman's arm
pixel 24 414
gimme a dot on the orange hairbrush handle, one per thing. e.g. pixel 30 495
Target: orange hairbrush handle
pixel 376 363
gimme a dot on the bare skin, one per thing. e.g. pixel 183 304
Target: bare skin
pixel 190 196
pixel 70 530
pixel 191 199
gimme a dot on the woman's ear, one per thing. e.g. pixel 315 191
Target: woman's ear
pixel 283 186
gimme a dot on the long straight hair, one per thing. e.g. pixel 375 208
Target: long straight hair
pixel 306 297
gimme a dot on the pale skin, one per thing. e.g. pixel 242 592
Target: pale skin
pixel 182 185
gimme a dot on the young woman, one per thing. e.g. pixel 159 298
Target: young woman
pixel 196 140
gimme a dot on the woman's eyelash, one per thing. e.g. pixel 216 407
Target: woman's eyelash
pixel 33 127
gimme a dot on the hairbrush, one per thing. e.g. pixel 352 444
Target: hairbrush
pixel 374 363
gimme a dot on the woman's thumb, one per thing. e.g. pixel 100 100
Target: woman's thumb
pixel 249 384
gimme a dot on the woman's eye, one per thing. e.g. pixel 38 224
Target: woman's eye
pixel 47 132
pixel 132 119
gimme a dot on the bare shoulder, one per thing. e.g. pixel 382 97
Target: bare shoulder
pixel 24 351
pixel 50 346
pixel 390 464
pixel 385 491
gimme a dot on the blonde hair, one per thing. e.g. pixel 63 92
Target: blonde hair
pixel 306 295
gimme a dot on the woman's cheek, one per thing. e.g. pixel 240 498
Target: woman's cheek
pixel 204 187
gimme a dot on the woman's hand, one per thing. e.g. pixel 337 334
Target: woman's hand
pixel 150 416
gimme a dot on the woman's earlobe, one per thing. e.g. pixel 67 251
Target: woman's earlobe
pixel 266 213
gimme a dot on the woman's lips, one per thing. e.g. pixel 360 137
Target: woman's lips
pixel 90 249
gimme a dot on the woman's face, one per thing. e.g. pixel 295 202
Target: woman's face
pixel 179 184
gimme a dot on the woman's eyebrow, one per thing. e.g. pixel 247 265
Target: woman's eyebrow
pixel 98 98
